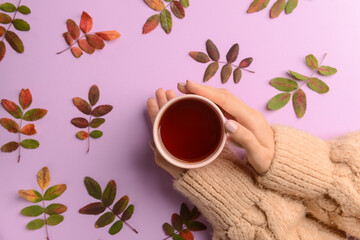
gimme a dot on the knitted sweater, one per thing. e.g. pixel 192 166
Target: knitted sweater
pixel 311 191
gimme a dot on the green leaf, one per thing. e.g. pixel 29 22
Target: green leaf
pixel 94 95
pixel 311 61
pixel 96 122
pixel 120 206
pixel 185 3
pixel 196 226
pixel 93 208
pixel 35 224
pixel 109 193
pixel 177 237
pixel 30 144
pixel 237 75
pixel 258 5
pixel 82 105
pixel 298 76
pixel 299 103
pixel 326 70
pixel 21 25
pixel 233 53
pixel 212 50
pixel 34 114
pixel 105 219
pixel 168 229
pixel 9 125
pixel 226 72
pixel 210 71
pixel 278 101
pixel 284 84
pixel 116 227
pixel 31 195
pixel 128 213
pixel 176 222
pixel 14 41
pixel 166 20
pixel 290 6
pixel 93 188
pixel 54 220
pixel 54 192
pixel 178 9
pixel 101 110
pixel 82 135
pixel 80 122
pixel 277 8
pixel 317 85
pixel 12 108
pixel 96 134
pixel 185 213
pixel 8 7
pixel 24 10
pixel 55 208
pixel 10 146
pixel 4 18
pixel 32 211
pixel 200 57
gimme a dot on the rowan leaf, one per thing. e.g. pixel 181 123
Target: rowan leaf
pixel 185 213
pixel 186 234
pixel 233 53
pixel 14 41
pixel 326 70
pixel 290 6
pixel 25 98
pixel 31 195
pixel 299 103
pixel 212 50
pixel 151 23
pixel 54 220
pixel 76 52
pixel 35 224
pixel 185 3
pixel 258 5
pixel 284 84
pixel 95 41
pixel 109 193
pixel 24 10
pixel 200 57
pixel 277 8
pixel 237 75
pixel 195 214
pixel 55 208
pixel 85 46
pixel 317 85
pixel 101 110
pixel 177 237
pixel 176 222
pixel 279 101
pixel 82 135
pixel 246 62
pixel 32 211
pixel 80 122
pixel 96 122
pixel 94 94
pixel 298 76
pixel 128 212
pixel 73 29
pixel 168 229
pixel 9 125
pixel 196 226
pixel 4 18
pixel 30 144
pixel 121 205
pixel 54 191
pixel 68 38
pixel 178 9
pixel 2 31
pixel 105 219
pixel 8 7
pixel 10 147
pixel 311 61
pixel 93 188
pixel 34 114
pixel 86 22
pixel 210 71
pixel 82 105
pixel 96 134
pixel 21 25
pixel 93 208
pixel 43 178
pixel 108 35
pixel 28 129
pixel 116 227
pixel 166 20
pixel 2 48
pixel 226 72
pixel 156 5
pixel 12 108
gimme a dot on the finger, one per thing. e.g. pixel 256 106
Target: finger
pixel 182 87
pixel 160 97
pixel 170 94
pixel 153 109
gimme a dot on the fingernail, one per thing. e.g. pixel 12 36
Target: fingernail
pixel 189 81
pixel 231 126
pixel 182 84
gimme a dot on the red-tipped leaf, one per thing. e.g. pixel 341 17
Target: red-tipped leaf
pixel 258 5
pixel 86 22
pixel 277 8
pixel 12 108
pixel 25 98
pixel 299 103
pixel 82 105
pixel 28 129
pixel 9 125
pixel 151 23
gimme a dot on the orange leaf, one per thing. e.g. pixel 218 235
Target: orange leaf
pixel 95 41
pixel 73 28
pixel 257 5
pixel 277 8
pixel 84 45
pixel 86 22
pixel 151 23
pixel 108 35
pixel 2 31
pixel 156 5
pixel 186 234
pixel 9 125
pixel 2 50
pixel 68 38
pixel 82 135
pixel 25 98
pixel 28 129
pixel 76 52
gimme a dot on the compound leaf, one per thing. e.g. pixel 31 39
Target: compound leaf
pixel 279 101
pixel 93 187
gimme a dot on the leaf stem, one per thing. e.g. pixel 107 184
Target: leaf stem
pixel 11 20
pixel 89 134
pixel 71 44
pixel 315 70
pixel 20 139
pixel 46 228
pixel 236 66
pixel 131 227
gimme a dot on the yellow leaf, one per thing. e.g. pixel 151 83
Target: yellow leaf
pixel 30 195
pixel 43 178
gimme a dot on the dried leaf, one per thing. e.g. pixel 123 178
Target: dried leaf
pixel 299 103
pixel 210 71
pixel 195 214
pixel 76 52
pixel 166 20
pixel 80 122
pixel 105 219
pixel 34 114
pixel 8 7
pixel 2 48
pixel 121 205
pixel 298 76
pixel 94 95
pixel 178 9
pixel 168 229
pixel 25 98
pixel 277 8
pixel 2 31
pixel 93 208
pixel 54 220
pixel 21 25
pixel 54 191
pixel 116 227
pixel 93 188
pixel 14 41
pixel 43 178
pixel 12 108
pixel 86 22
pixel 246 62
pixel 258 5
pixel 185 213
pixel 176 222
pixel 82 135
pixel 311 61
pixel 95 41
pixel 279 101
pixel 10 147
pixel 186 234
pixel 28 129
pixel 317 85
pixel 196 226
pixel 151 23
pixel 233 53
pixel 68 38
pixel 24 10
pixel 290 6
pixel 284 84
pixel 128 213
pixel 156 5
pixel 96 134
pixel 82 105
pixel 85 46
pixel 35 224
pixel 108 35
pixel 212 50
pixel 237 75
pixel 326 70
pixel 109 193
pixel 73 29
pixel 226 72
pixel 4 18
pixel 9 125
pixel 32 211
pixel 200 57
pixel 185 3
pixel 31 195
pixel 30 144
pixel 55 208
pixel 96 122
pixel 177 237
pixel 101 110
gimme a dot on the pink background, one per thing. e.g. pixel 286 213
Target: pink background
pixel 129 70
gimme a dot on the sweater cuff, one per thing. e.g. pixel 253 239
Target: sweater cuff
pixel 301 166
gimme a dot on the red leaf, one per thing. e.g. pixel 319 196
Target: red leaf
pixel 277 8
pixel 28 129
pixel 178 9
pixel 76 52
pixel 4 18
pixel 108 35
pixel 82 135
pixel 101 110
pixel 245 62
pixel 299 103
pixel 73 29
pixel 2 31
pixel 94 94
pixel 151 23
pixel 200 57
pixel 25 98
pixel 12 108
pixel 9 125
pixel 212 50
pixel 186 234
pixel 10 146
pixel 2 50
pixel 257 5
pixel 233 53
pixel 86 22
pixel 68 38
pixel 82 105
pixel 80 122
pixel 95 41
pixel 84 45
pixel 93 208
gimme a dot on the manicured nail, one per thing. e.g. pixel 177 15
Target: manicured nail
pixel 231 126
pixel 189 81
pixel 183 84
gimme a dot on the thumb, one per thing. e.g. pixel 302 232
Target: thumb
pixel 242 136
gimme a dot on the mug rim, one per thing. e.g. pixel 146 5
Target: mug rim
pixel 170 158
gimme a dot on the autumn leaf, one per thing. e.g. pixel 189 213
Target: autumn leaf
pixel 311 61
pixel 166 20
pixel 109 193
pixel 128 212
pixel 55 208
pixel 82 135
pixel 116 227
pixel 25 98
pixel 84 45
pixel 299 103
pixel 178 9
pixel 96 122
pixel 284 84
pixel 68 38
pixel 258 5
pixel 73 29
pixel 76 52
pixel 96 134
pixel 14 41
pixel 156 5
pixel 43 178
pixel 210 71
pixel 35 224
pixel 54 220
pixel 2 50
pixel 233 53
pixel 95 41
pixel 12 108
pixel 28 129
pixel 226 73
pixel 30 143
pixel 279 101
pixel 2 31
pixel 82 105
pixel 290 6
pixel 94 95
pixel 121 205
pixel 80 122
pixel 277 8
pixel 86 22
pixel 30 195
pixel 54 192
pixel 32 211
pixel 245 62
pixel 93 188
pixel 237 75
pixel 21 25
pixel 196 226
pixel 151 23
pixel 212 50
pixel 34 114
pixel 200 57
pixel 24 10
pixel 176 222
pixel 298 76
pixel 9 125
pixel 186 234
pixel 317 85
pixel 105 219
pixel 10 147
pixel 108 35
pixel 93 208
pixel 326 70
pixel 4 18
pixel 185 3
pixel 8 7
pixel 101 110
